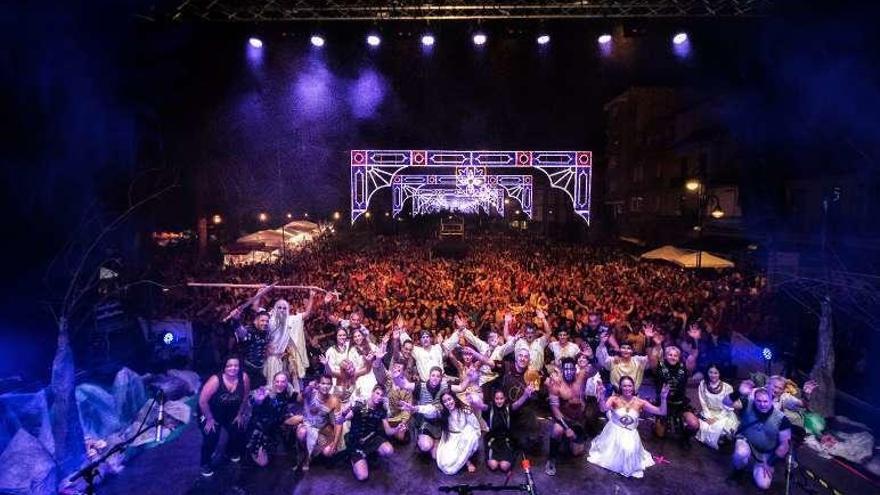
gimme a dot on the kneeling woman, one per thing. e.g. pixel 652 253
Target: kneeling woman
pixel 619 448
pixel 461 430
pixel 369 432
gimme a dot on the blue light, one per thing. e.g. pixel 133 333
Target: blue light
pixel 168 338
pixel 543 39
pixel 317 41
pixel 768 354
pixel 373 40
pixel 428 40
pixel 256 42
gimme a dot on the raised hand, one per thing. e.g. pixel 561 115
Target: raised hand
pixel 809 386
pixel 746 387
pixel 649 330
pixel 460 322
pixel 664 392
pixel 694 331
pixel 508 317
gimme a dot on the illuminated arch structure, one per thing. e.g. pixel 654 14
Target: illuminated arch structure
pixel 471 188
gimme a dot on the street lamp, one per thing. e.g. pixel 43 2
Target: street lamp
pixel 703 200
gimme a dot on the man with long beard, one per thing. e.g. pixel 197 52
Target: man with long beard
pixel 287 350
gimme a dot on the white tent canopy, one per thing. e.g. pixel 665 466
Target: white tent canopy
pixel 266 245
pixel 687 258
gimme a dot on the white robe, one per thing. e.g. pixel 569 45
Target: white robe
pixel 619 448
pixel 726 421
pixel 290 339
pixel 460 442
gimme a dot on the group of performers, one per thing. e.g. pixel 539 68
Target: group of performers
pixel 503 389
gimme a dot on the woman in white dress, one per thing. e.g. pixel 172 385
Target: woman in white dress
pixel 619 448
pixel 717 420
pixel 461 435
pixel 360 352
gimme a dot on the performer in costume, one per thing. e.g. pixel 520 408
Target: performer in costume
pixel 619 448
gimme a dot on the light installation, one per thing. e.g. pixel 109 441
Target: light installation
pixel 470 187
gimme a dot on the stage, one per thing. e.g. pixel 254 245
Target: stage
pixel 173 469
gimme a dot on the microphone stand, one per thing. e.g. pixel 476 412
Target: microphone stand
pixel 527 487
pixel 90 472
pixel 469 489
pixel 160 418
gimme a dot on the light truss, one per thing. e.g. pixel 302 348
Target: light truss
pixel 374 170
pixel 374 10
pixel 427 201
pixel 470 190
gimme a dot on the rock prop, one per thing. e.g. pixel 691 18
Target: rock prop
pixel 175 388
pixel 129 393
pixel 97 411
pixel 26 467
pixel 29 412
pixel 190 377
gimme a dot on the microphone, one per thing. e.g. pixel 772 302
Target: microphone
pixel 527 469
pixel 160 419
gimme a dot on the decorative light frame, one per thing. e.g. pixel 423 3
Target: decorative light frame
pixel 373 170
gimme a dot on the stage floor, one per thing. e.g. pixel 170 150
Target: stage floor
pixel 173 469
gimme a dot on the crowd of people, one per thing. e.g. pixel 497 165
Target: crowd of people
pixel 465 356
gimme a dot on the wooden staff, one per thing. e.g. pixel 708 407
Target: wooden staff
pixel 263 289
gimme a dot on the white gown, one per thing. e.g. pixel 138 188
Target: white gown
pixel 460 442
pixel 363 387
pixel 619 448
pixel 713 406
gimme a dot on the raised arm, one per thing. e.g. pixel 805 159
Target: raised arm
pixel 451 342
pixel 651 408
pixel 480 344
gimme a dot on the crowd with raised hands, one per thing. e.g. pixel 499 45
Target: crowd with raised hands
pixel 522 347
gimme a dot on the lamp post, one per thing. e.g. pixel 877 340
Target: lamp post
pixel 703 200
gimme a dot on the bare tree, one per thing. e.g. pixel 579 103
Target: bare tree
pixel 77 268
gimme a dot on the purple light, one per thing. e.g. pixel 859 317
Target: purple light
pixel 680 38
pixel 428 40
pixel 366 94
pixel 373 40
pixel 543 39
pixel 255 42
pixel 604 39
pixel 480 39
pixel 317 41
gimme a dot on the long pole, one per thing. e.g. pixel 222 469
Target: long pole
pixel 700 224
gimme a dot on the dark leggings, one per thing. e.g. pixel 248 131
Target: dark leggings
pixel 210 440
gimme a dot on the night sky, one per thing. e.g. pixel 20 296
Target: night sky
pixel 97 98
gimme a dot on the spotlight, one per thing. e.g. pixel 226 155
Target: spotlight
pixel 373 40
pixel 217 219
pixel 255 42
pixel 680 38
pixel 767 353
pixel 543 39
pixel 428 40
pixel 317 41
pixel 168 338
pixel 604 39
pixel 479 39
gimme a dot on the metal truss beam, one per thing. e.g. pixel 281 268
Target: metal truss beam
pixel 373 170
pixel 372 10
